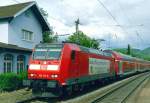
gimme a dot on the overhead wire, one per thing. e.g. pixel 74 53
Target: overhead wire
pixel 123 11
pixel 108 11
pixel 136 31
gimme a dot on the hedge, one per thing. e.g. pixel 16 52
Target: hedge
pixel 11 81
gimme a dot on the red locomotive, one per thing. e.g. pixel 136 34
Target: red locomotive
pixel 55 69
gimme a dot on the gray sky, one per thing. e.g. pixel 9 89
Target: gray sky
pixel 132 16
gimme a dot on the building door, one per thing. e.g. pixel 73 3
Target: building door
pixel 20 63
pixel 8 63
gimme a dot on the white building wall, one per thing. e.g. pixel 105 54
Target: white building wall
pixel 4 32
pixel 27 21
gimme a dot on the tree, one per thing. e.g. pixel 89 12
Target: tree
pixel 129 49
pixel 82 39
pixel 48 36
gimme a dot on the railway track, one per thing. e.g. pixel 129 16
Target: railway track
pixel 122 92
pixel 38 100
pixel 109 95
pixel 27 100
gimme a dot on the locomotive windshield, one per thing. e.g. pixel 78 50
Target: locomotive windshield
pixel 47 52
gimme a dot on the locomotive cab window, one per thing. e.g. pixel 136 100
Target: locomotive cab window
pixel 53 53
pixel 73 55
pixel 47 52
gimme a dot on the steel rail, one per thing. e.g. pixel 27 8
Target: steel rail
pixel 112 90
pixel 125 99
pixel 27 100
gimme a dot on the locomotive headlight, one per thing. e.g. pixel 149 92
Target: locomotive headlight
pixel 31 75
pixel 54 76
pixel 34 67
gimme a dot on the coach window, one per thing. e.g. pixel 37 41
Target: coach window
pixel 8 63
pixel 20 63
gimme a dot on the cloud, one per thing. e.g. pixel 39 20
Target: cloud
pixel 132 16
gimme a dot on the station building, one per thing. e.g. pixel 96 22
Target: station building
pixel 21 28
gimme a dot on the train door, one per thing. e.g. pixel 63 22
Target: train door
pixel 74 64
pixel 120 66
pixel 82 59
pixel 79 64
pixel 112 67
pixel 137 67
pixel 134 67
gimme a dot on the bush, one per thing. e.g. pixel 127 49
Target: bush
pixel 11 81
pixel 22 75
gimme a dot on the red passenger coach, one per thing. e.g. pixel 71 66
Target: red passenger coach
pixel 58 68
pixel 126 65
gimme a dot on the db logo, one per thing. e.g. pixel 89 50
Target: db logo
pixel 43 67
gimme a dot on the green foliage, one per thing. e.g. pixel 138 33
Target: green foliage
pixel 129 49
pixel 144 54
pixel 23 75
pixel 11 81
pixel 84 40
pixel 48 37
pixel 121 50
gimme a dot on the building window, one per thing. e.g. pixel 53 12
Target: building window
pixel 8 63
pixel 20 63
pixel 27 35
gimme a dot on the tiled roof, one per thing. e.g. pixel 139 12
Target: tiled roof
pixel 11 10
pixel 14 47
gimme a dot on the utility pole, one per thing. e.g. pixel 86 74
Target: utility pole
pixel 77 22
pixel 77 25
